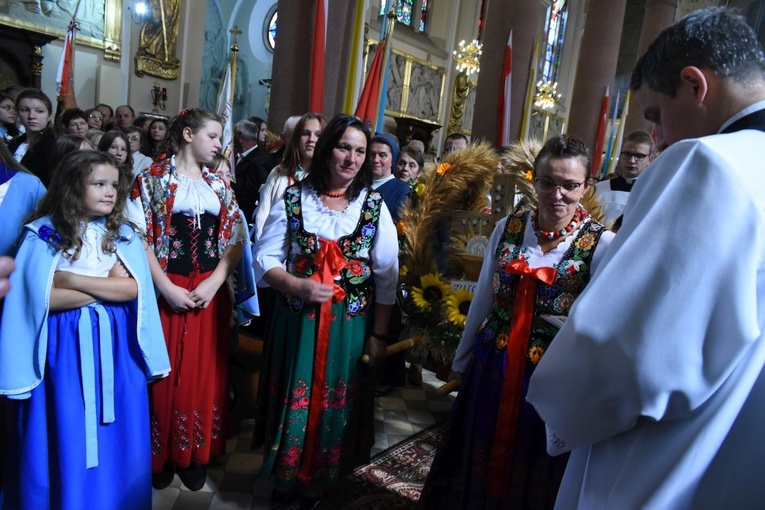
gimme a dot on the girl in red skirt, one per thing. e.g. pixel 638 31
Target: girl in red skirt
pixel 197 235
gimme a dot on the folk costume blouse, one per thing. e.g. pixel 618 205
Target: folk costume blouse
pixel 158 188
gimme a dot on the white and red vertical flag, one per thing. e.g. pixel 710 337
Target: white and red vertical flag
pixel 597 155
pixel 65 73
pixel 505 96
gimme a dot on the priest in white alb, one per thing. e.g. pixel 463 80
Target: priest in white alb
pixel 655 384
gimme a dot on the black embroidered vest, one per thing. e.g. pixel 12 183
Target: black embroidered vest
pixel 556 299
pixel 356 278
pixel 192 245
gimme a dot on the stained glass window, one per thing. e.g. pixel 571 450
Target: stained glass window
pixel 555 30
pixel 271 32
pixel 407 13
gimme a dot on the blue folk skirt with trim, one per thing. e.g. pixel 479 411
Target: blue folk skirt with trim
pixel 51 443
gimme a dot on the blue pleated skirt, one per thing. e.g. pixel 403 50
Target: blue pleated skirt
pixel 46 463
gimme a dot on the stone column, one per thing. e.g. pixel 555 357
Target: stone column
pixel 337 57
pixel 291 72
pixel 659 14
pixel 598 56
pixel 522 17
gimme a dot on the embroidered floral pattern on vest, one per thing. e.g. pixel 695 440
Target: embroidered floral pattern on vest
pixel 356 278
pixel 556 299
pixel 157 187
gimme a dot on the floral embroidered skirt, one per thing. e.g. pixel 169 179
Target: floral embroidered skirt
pixel 46 459
pixel 460 471
pixel 189 409
pixel 345 425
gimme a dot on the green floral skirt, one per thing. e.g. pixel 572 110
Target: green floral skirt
pixel 345 425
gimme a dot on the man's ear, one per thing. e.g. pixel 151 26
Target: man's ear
pixel 695 80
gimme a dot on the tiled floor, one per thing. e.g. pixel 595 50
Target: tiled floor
pixel 231 478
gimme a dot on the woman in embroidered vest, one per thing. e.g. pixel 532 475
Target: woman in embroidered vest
pixel 537 262
pixel 336 239
pixel 84 305
pixel 298 154
pixel 196 232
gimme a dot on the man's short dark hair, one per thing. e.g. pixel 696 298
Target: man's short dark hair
pixel 456 136
pixel 132 111
pixel 717 39
pixel 111 111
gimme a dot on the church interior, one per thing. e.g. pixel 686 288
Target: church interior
pixel 447 64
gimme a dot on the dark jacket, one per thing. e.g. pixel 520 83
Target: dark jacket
pixel 37 158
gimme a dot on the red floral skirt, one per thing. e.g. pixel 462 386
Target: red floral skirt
pixel 189 409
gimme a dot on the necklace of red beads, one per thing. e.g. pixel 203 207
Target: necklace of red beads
pixel 580 215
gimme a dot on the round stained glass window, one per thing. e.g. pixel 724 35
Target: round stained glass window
pixel 271 31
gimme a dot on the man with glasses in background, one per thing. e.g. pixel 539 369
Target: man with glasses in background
pixel 613 193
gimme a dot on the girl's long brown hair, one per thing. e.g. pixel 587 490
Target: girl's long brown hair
pixel 292 158
pixel 65 201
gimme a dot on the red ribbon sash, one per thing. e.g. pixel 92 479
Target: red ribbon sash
pixel 329 261
pixel 500 458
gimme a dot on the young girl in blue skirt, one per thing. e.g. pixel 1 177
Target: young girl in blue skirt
pixel 80 339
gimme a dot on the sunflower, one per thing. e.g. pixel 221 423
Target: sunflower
pixel 457 305
pixel 419 189
pixel 432 290
pixel 403 270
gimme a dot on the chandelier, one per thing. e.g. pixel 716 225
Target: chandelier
pixel 547 95
pixel 468 57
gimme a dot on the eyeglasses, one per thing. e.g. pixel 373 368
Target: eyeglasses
pixel 8 108
pixel 638 156
pixel 91 116
pixel 548 186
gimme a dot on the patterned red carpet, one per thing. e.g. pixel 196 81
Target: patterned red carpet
pixel 394 478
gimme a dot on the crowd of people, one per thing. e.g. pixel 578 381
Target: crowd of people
pixel 596 369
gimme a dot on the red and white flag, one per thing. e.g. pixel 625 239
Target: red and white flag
pixel 503 108
pixel 367 107
pixel 316 98
pixel 597 155
pixel 65 74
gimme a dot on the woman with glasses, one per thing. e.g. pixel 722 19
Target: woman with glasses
pixel 95 119
pixel 537 263
pixel 34 147
pixel 8 128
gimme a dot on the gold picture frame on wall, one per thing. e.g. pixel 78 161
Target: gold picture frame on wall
pixel 99 21
pixel 415 86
